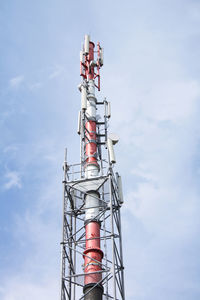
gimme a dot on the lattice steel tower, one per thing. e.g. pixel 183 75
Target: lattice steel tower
pixel 92 260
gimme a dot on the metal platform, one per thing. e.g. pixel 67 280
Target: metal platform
pixel 73 242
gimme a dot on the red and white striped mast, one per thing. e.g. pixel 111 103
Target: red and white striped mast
pixel 92 202
pixel 89 70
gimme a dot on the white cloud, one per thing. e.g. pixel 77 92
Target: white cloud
pixel 12 148
pixel 39 231
pixel 155 111
pixel 13 180
pixel 58 70
pixel 21 288
pixel 15 82
pixel 35 86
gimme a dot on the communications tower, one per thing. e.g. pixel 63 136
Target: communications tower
pixel 91 259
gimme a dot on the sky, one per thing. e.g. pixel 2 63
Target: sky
pixel 151 76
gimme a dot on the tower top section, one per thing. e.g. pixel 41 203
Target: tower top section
pixel 91 61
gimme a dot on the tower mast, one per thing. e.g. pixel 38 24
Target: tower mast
pixel 92 198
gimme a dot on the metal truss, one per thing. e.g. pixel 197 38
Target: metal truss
pixel 73 240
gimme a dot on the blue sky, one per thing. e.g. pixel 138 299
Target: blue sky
pixel 151 76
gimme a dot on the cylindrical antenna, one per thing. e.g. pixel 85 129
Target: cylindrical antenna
pixel 81 56
pixel 87 41
pixel 79 123
pixel 111 151
pixel 120 190
pixel 101 56
pixel 83 97
pixel 108 110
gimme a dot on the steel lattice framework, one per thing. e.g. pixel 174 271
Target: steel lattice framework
pixel 74 235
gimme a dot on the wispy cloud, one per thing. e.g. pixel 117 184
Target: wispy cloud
pixel 15 82
pixel 13 180
pixel 58 70
pixel 43 234
pixel 35 86
pixel 11 148
pixel 20 286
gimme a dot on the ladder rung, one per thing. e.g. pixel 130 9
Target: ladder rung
pixel 100 123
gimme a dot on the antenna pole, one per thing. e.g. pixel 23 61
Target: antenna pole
pixel 92 198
